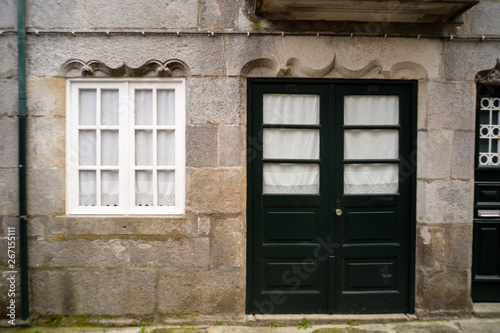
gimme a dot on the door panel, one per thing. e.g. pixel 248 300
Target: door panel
pixel 330 210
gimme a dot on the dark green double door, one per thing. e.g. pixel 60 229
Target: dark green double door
pixel 331 184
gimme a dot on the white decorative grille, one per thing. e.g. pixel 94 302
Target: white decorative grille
pixel 489 132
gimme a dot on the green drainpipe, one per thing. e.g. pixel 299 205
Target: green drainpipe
pixel 23 210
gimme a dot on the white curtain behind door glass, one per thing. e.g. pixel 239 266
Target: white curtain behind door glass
pixel 291 143
pixel 291 109
pixel 284 178
pixel 370 178
pixel 371 110
pixel 371 144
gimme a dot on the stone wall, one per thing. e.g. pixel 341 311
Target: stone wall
pixel 145 267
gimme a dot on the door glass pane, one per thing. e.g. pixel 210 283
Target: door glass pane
pixel 109 107
pixel 166 188
pixel 371 144
pixel 109 148
pixel 144 148
pixel 87 188
pixel 166 107
pixel 282 178
pixel 291 143
pixel 87 115
pixel 87 148
pixel 144 107
pixel 370 178
pixel 371 110
pixel 144 188
pixel 166 148
pixel 109 188
pixel 291 109
pixel 489 132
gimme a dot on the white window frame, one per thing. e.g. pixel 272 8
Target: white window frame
pixel 126 164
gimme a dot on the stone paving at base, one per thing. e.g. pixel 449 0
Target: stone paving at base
pixel 472 325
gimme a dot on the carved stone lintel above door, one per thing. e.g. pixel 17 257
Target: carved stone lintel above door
pixel 491 76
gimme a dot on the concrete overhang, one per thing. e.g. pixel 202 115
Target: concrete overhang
pixel 410 11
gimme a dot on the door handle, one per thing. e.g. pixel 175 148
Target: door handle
pixel 338 212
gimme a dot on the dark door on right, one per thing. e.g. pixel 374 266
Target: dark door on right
pixel 486 250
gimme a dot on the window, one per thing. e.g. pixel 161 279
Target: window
pixel 125 147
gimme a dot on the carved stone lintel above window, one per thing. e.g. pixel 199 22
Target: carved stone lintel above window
pixel 152 68
pixel 413 11
pixel 491 76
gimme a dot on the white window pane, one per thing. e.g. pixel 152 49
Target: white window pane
pixel 166 188
pixel 87 148
pixel 109 107
pixel 109 188
pixel 144 148
pixel 291 109
pixel 371 144
pixel 371 110
pixel 109 148
pixel 87 107
pixel 166 148
pixel 281 178
pixel 371 178
pixel 144 188
pixel 87 188
pixel 291 143
pixel 144 107
pixel 166 107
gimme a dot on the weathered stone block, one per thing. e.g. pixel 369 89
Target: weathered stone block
pixel 201 146
pixel 462 61
pixel 46 191
pixel 219 101
pixel 8 50
pixel 8 97
pixel 93 292
pixel 9 143
pixel 174 14
pixel 9 205
pixel 9 221
pixel 485 18
pixel 423 93
pixel 203 55
pixel 434 154
pixel 122 225
pixel 443 290
pixel 47 96
pixel 215 190
pixel 446 246
pixel 98 253
pixel 201 292
pixel 463 155
pixel 451 105
pixel 49 14
pixel 10 284
pixel 445 201
pixel 47 143
pixel 8 14
pixel 232 146
pixel 218 14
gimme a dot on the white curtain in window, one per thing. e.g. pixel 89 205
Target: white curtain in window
pixel 166 188
pixel 165 147
pixel 87 188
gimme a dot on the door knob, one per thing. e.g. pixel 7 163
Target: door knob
pixel 338 212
